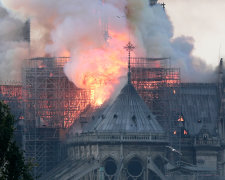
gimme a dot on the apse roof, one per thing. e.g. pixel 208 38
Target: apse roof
pixel 128 113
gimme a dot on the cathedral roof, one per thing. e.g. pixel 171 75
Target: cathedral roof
pixel 199 106
pixel 128 113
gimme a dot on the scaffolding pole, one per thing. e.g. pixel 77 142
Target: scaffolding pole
pixel 51 104
pixel 157 84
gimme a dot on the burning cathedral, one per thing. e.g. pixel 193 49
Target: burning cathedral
pixel 156 128
pixel 125 139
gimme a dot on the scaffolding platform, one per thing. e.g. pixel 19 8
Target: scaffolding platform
pixel 51 104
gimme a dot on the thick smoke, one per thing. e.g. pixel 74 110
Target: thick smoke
pixel 77 28
pixel 13 49
pixel 154 31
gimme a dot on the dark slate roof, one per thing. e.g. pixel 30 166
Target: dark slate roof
pixel 86 119
pixel 128 113
pixel 71 169
pixel 199 105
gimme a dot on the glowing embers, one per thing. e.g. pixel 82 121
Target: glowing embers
pixel 11 91
pixel 173 76
pixel 174 91
pixel 184 132
pixel 135 168
pixel 76 102
pixel 180 119
pixel 110 168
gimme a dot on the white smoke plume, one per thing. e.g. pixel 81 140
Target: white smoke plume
pixel 76 28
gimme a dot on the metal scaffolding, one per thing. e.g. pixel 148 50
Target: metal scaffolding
pixel 11 94
pixel 157 83
pixel 52 103
pixel 51 100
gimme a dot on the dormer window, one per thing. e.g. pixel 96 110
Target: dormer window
pixel 205 136
pixel 115 116
pixel 180 119
pixel 134 120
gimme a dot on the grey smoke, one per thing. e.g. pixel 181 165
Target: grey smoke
pixel 62 25
pixel 155 33
pixel 13 49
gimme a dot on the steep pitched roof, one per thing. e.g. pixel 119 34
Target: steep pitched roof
pixel 199 105
pixel 71 169
pixel 128 113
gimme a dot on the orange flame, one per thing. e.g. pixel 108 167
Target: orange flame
pixel 181 119
pixel 174 91
pixel 65 53
pixel 99 69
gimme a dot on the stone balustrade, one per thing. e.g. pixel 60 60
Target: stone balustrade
pixel 106 137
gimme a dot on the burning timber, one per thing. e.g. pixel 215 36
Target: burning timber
pixel 51 100
pixel 51 105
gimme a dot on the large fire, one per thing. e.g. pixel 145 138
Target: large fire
pixel 100 69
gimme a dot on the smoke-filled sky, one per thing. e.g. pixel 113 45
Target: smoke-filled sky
pixel 76 28
pixel 204 20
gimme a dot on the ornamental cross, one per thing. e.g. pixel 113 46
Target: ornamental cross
pixel 129 47
pixel 163 5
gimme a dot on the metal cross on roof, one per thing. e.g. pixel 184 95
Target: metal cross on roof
pixel 163 5
pixel 129 47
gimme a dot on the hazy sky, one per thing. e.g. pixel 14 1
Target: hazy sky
pixel 204 20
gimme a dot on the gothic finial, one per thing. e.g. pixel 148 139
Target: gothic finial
pixel 129 47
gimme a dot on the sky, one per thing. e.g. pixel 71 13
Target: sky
pixel 204 21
